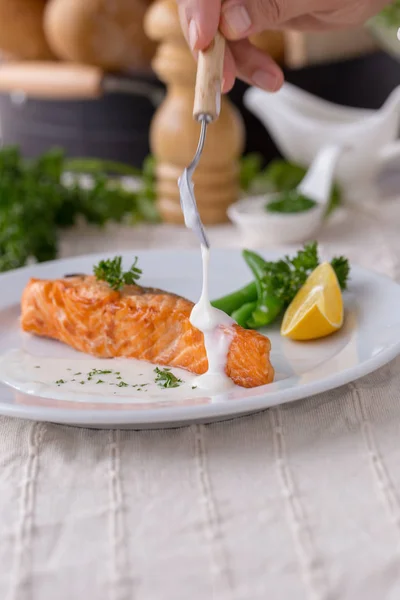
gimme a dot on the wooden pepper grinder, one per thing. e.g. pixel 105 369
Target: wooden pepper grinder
pixel 174 133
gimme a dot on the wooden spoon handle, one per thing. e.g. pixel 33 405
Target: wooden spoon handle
pixel 50 80
pixel 207 98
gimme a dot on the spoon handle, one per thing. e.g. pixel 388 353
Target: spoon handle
pixel 207 98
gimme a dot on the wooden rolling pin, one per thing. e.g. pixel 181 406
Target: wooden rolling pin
pixel 52 80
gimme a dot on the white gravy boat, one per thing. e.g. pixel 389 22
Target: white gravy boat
pixel 301 124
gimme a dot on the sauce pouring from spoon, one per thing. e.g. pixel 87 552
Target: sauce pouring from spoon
pixel 207 319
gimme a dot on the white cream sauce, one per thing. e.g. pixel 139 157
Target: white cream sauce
pixel 209 320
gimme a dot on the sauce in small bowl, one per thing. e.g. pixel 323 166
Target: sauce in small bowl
pixel 265 221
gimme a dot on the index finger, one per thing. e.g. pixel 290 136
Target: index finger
pixel 199 21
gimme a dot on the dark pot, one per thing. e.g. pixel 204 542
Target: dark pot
pixel 114 126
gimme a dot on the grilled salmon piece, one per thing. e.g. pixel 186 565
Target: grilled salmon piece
pixel 136 322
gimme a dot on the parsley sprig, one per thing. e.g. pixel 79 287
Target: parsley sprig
pixel 285 277
pixel 110 271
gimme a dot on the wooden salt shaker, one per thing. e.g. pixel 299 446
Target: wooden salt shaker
pixel 174 132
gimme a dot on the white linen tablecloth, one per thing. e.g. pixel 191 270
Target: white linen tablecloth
pixel 299 502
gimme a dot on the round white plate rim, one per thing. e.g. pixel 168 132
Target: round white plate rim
pixel 172 416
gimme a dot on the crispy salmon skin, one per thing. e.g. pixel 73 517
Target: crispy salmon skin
pixel 136 322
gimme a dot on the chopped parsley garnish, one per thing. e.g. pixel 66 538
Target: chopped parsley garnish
pixel 99 372
pixel 111 272
pixel 290 202
pixel 166 379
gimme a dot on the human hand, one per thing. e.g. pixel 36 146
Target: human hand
pixel 239 19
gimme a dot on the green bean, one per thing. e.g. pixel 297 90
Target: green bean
pixel 265 313
pixel 243 314
pixel 268 305
pixel 234 301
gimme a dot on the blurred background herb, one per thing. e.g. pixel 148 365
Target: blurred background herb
pixel 390 15
pixel 36 199
pixel 39 197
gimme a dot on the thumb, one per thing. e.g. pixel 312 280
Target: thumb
pixel 199 21
pixel 241 18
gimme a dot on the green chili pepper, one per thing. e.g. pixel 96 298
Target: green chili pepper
pixel 244 313
pixel 232 302
pixel 268 306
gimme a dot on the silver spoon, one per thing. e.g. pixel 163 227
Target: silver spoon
pixel 206 109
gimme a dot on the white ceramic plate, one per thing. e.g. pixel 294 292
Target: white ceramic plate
pixel 369 339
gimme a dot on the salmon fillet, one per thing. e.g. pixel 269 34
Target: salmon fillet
pixel 136 322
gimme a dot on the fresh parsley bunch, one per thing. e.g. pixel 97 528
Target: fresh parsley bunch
pixel 35 202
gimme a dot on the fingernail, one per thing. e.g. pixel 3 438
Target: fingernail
pixel 193 34
pixel 237 19
pixel 266 81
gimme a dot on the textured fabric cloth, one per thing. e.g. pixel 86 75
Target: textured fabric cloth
pixel 299 502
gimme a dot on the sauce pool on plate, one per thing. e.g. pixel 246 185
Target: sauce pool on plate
pixel 66 378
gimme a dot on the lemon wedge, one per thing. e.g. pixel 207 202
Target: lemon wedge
pixel 317 309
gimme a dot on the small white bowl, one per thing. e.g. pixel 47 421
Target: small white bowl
pixel 262 228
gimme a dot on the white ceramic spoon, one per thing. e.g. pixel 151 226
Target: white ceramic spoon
pixel 261 227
